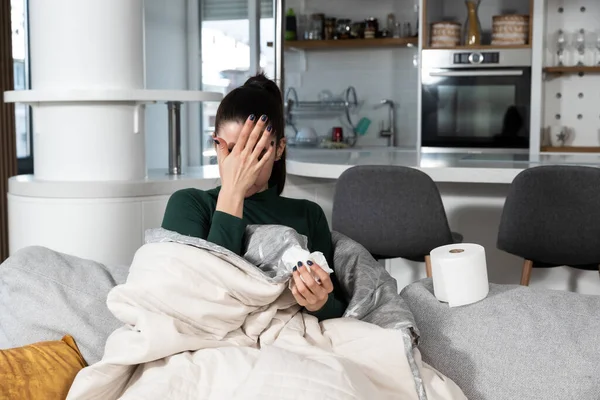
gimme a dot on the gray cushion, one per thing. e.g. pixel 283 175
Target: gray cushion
pixel 45 295
pixel 518 343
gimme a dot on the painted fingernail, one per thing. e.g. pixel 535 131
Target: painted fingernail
pixel 263 118
pixel 272 142
pixel 299 264
pixel 309 262
pixel 294 269
pixel 269 128
pixel 251 117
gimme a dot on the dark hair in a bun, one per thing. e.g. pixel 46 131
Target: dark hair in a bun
pixel 260 80
pixel 259 95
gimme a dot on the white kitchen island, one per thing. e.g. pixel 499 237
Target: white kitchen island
pixel 105 221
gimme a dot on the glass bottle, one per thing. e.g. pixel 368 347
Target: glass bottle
pixel 391 23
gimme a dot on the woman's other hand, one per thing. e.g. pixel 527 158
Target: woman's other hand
pixel 309 292
pixel 240 167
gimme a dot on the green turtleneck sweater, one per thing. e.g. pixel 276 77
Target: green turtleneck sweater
pixel 192 212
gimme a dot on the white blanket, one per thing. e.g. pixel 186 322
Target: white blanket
pixel 198 326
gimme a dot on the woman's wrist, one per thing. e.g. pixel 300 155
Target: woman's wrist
pixel 315 308
pixel 230 202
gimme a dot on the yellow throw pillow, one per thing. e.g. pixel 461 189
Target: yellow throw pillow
pixel 42 370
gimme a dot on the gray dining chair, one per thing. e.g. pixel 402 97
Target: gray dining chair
pixel 393 211
pixel 551 218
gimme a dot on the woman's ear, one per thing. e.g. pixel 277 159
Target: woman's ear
pixel 280 148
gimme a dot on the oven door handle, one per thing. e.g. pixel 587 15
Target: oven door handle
pixel 498 72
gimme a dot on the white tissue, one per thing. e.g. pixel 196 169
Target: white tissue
pixel 296 253
pixel 459 273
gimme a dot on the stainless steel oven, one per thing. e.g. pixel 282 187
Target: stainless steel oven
pixel 475 99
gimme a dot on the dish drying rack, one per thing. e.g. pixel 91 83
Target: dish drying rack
pixel 320 108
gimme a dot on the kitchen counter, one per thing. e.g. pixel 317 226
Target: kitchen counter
pixel 312 163
pixel 157 183
pixel 442 167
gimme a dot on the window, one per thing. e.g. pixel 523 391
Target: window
pixel 226 53
pixel 20 50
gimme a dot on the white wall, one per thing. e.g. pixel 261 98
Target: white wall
pixel 375 73
pixel 166 64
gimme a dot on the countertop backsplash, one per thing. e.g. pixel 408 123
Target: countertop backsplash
pixel 376 74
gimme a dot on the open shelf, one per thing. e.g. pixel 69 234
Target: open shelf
pixel 571 149
pixel 433 11
pixel 480 47
pixel 572 70
pixel 350 43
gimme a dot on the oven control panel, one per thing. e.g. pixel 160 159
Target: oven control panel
pixel 476 58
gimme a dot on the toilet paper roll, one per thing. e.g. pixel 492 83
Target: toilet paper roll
pixel 459 274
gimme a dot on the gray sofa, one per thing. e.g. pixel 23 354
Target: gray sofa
pixel 518 343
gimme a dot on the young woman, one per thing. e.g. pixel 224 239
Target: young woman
pixel 250 143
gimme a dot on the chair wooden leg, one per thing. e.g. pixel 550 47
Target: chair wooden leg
pixel 526 272
pixel 428 266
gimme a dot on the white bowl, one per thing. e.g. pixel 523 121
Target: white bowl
pixel 306 135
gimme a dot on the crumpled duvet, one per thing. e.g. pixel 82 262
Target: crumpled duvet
pixel 203 323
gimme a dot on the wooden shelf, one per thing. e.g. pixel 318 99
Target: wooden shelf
pixel 572 70
pixel 571 149
pixel 481 47
pixel 350 43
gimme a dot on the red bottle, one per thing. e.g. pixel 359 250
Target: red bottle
pixel 337 134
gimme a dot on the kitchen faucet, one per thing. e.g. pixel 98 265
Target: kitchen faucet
pixel 390 132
